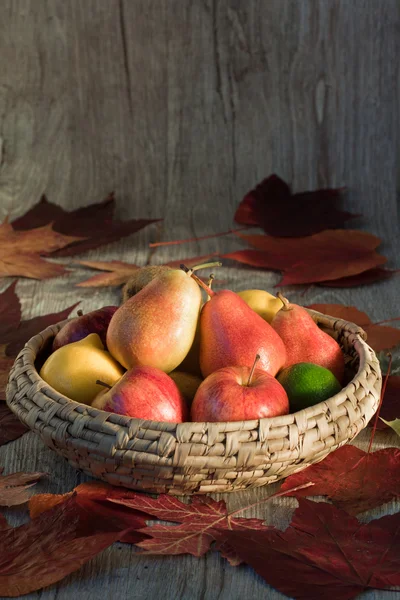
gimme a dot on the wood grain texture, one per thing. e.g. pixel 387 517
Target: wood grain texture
pixel 181 107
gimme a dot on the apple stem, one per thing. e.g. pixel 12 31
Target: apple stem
pixel 257 358
pixel 99 382
pixel 79 312
pixel 285 301
pixel 201 283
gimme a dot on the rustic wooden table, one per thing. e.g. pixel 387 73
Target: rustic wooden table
pixel 181 106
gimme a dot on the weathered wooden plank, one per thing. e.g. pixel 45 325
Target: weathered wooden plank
pixel 181 107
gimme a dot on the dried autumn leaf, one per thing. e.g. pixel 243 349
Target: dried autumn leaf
pixel 11 428
pixel 192 261
pixel 119 272
pixel 17 338
pixel 324 553
pixel 273 206
pixel 94 223
pixel 390 409
pixel 353 479
pixel 14 488
pixel 395 425
pixel 393 358
pixel 324 256
pixel 10 309
pixel 196 526
pixel 20 251
pixel 92 497
pixel 5 366
pixel 364 278
pixel 55 544
pixel 380 337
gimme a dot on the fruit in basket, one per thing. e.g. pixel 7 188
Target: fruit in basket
pixel 191 362
pixel 156 327
pixel 305 341
pixel 307 384
pixel 263 303
pixel 77 329
pixel 141 278
pixel 187 383
pixel 231 333
pixel 73 369
pixel 237 394
pixel 145 393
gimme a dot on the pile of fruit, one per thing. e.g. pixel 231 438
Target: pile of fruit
pixel 170 354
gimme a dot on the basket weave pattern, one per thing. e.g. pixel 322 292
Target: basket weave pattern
pixel 196 458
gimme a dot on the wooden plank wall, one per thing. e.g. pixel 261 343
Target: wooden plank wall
pixel 181 106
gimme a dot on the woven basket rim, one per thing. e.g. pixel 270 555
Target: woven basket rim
pixel 360 346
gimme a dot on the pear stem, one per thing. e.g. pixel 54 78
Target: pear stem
pixel 99 382
pixel 79 313
pixel 257 358
pixel 284 301
pixel 217 263
pixel 209 283
pixel 201 283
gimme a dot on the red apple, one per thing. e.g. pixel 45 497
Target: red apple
pixel 93 322
pixel 239 394
pixel 144 393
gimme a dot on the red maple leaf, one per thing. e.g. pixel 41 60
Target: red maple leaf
pixel 390 409
pixel 195 529
pixel 16 338
pixel 353 479
pixel 14 488
pixel 364 278
pixel 5 366
pixel 197 524
pixel 324 256
pixel 56 543
pixel 324 553
pixel 380 337
pixel 273 206
pixel 11 428
pixel 14 333
pixel 92 497
pixel 10 310
pixel 94 222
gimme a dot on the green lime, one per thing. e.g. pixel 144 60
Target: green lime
pixel 307 384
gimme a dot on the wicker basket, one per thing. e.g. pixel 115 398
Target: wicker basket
pixel 196 458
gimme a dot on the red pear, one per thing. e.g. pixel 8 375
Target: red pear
pixel 305 341
pixel 144 393
pixel 231 333
pixel 239 394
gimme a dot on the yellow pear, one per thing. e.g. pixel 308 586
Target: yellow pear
pixel 74 368
pixel 186 383
pixel 263 303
